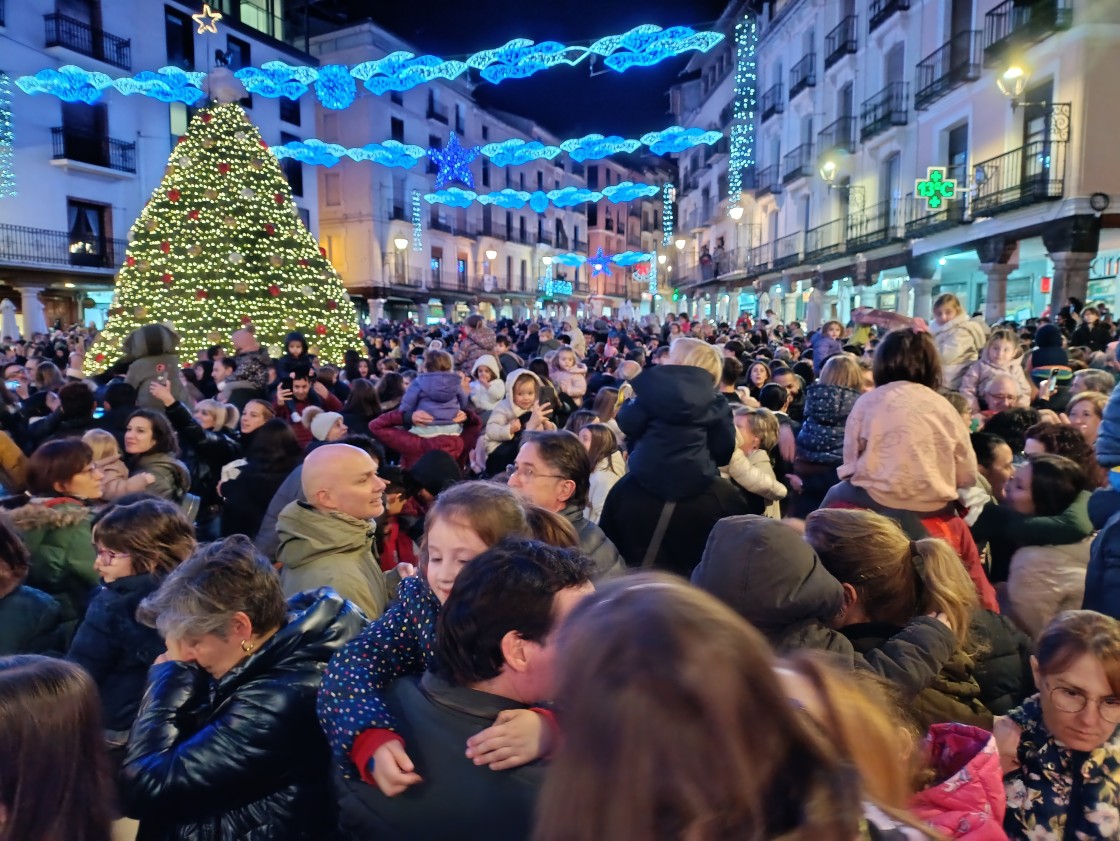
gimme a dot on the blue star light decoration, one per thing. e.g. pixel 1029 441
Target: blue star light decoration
pixel 935 187
pixel 600 264
pixel 454 163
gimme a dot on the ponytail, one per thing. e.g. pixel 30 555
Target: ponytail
pixel 944 585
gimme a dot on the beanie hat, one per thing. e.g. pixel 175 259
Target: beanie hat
pixel 1048 335
pixel 321 424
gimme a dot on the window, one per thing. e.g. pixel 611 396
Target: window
pixel 486 132
pixel 399 198
pixel 87 224
pixel 890 174
pixel 305 216
pixel 436 263
pixel 486 173
pixel 238 56
pixel 330 128
pixel 396 129
pixel 433 143
pixel 524 275
pixel 396 97
pixel 85 133
pixel 293 169
pixel 290 111
pixel 592 215
pixel 509 225
pixel 521 180
pixel 509 272
pixel 180 117
pixel 958 152
pixel 522 235
pixel 460 119
pixel 332 189
pixel 540 180
pixel 179 32
pixel 487 220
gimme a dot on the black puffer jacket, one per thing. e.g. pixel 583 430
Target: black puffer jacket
pixel 241 758
pixel 1003 662
pixel 204 452
pixel 821 437
pixel 679 431
pixel 767 573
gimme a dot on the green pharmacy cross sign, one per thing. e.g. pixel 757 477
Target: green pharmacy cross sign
pixel 935 188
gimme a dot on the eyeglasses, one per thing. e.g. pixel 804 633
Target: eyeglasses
pixel 529 474
pixel 1069 700
pixel 111 557
pixel 1003 396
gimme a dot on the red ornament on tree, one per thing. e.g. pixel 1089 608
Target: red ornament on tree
pixel 99 358
pixel 322 251
pixel 303 261
pixel 130 261
pixel 274 290
pixel 167 278
pixel 269 228
pixel 245 319
pixel 223 168
pixel 206 118
pixel 279 198
pixel 264 145
pixel 201 293
pixel 173 195
pixel 332 305
pixel 194 214
pixel 321 329
pixel 165 247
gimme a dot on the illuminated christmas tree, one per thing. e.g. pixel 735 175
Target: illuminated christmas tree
pixel 219 246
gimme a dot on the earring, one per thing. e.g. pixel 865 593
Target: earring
pixel 246 646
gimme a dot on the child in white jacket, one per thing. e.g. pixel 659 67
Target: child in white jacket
pixel 756 433
pixel 519 411
pixel 487 388
pixel 1002 355
pixel 567 374
pixel 607 465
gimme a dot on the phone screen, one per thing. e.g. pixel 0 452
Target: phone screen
pixel 99 412
pixel 13 384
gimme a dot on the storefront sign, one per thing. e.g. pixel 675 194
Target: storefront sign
pixel 1103 268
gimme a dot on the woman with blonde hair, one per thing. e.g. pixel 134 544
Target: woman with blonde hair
pixel 959 339
pixel 1002 355
pixel 820 441
pixel 888 580
pixel 608 465
pixel 704 682
pixel 1085 412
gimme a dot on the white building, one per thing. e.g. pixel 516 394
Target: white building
pixel 482 256
pixel 84 172
pixel 858 98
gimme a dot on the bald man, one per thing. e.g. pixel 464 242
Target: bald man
pixel 328 541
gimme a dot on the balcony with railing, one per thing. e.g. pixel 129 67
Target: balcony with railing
pixel 876 226
pixel 841 41
pixel 579 246
pixel 20 245
pixel 1031 174
pixel 803 75
pixel 769 180
pixel 97 150
pixel 798 163
pixel 923 221
pixel 787 251
pixel 440 115
pixel 884 110
pixel 771 103
pixel 1016 23
pixel 954 64
pixel 760 259
pixel 64 31
pixel 825 241
pixel 880 11
pixel 839 136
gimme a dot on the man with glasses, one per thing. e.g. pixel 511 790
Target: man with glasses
pixel 16 373
pixel 1000 393
pixel 552 470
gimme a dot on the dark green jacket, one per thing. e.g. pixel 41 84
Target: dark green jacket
pixel 30 623
pixel 56 531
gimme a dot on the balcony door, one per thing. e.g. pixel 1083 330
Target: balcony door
pixel 960 23
pixel 85 133
pixel 87 223
pixel 1036 155
pixel 83 11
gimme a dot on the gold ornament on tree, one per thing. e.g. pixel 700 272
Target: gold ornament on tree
pixel 140 312
pixel 211 194
pixel 195 250
pixel 276 261
pixel 241 287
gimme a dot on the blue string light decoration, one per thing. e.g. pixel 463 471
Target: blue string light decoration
pixel 402 71
pixel 653 278
pixel 595 146
pixel 600 264
pixel 68 83
pixel 668 194
pixel 74 84
pixel 335 87
pixel 417 222
pixel 571 196
pixel 168 84
pixel 631 258
pixel 511 199
pixel 744 108
pixel 677 139
pixel 626 191
pixel 7 138
pixel 275 79
pixel 454 162
pixel 514 152
pixel 572 260
pixel 521 58
pixel 391 153
pixel 644 46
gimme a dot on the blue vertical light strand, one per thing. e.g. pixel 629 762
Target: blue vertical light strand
pixel 417 223
pixel 7 138
pixel 667 214
pixel 652 278
pixel 745 107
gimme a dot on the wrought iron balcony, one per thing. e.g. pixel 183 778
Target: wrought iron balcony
pixel 880 11
pixel 769 180
pixel 885 109
pixel 841 41
pixel 825 240
pixel 839 136
pixel 93 149
pixel 803 75
pixel 38 247
pixel 1031 174
pixel 760 259
pixel 63 31
pixel 922 220
pixel 949 67
pixel 787 251
pixel 771 103
pixel 876 226
pixel 798 163
pixel 1015 23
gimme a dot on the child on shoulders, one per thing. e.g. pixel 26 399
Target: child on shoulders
pixel 437 390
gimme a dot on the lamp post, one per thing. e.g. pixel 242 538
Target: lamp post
pixel 1013 82
pixel 402 259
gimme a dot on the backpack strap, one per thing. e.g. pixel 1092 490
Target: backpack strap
pixel 659 533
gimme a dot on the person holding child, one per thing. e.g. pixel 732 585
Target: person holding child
pixel 520 411
pixel 438 390
pixel 1002 356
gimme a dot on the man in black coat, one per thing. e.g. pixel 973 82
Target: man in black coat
pixel 493 652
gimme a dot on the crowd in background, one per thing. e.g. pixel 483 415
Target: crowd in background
pixel 566 580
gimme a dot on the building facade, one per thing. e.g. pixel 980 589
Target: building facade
pixel 84 172
pixel 858 99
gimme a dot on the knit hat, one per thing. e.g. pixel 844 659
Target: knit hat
pixel 433 472
pixel 321 424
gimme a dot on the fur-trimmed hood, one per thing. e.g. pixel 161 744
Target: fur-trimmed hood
pixel 50 513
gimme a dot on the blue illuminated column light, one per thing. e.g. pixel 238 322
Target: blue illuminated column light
pixel 7 139
pixel 417 222
pixel 746 85
pixel 668 195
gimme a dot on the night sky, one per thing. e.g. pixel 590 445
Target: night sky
pixel 566 100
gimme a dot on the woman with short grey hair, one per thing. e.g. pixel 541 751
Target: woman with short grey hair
pixel 226 744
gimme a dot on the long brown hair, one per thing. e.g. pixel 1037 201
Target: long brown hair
pixel 682 731
pixel 490 510
pixel 152 532
pixel 605 404
pixel 896 578
pixel 54 775
pixel 1074 633
pixel 603 446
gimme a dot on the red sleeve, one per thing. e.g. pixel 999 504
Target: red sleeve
pixel 332 403
pixel 550 722
pixel 366 745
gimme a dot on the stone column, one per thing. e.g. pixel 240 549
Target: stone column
pixel 376 309
pixel 34 314
pixel 1071 277
pixel 995 303
pixel 921 297
pixel 425 311
pixel 844 301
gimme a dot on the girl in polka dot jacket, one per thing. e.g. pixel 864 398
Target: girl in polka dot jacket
pixel 464 521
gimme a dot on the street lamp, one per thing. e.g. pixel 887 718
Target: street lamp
pixel 680 244
pixel 491 254
pixel 828 170
pixel 661 258
pixel 546 260
pixel 402 259
pixel 736 212
pixel 401 243
pixel 1012 82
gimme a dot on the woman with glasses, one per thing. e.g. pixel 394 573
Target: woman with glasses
pixel 1060 751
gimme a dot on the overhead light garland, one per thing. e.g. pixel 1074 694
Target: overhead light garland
pixel 746 87
pixel 7 138
pixel 74 84
pixel 625 259
pixel 417 222
pixel 668 195
pixel 538 200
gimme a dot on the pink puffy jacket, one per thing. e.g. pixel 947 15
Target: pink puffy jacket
pixel 969 801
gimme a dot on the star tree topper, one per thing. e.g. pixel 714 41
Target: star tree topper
pixel 600 264
pixel 454 163
pixel 207 20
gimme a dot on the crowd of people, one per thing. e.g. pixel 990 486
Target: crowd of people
pixel 566 581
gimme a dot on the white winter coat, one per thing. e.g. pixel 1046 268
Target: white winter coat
pixel 1044 581
pixel 959 342
pixel 755 474
pixel 485 397
pixel 981 372
pixel 608 471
